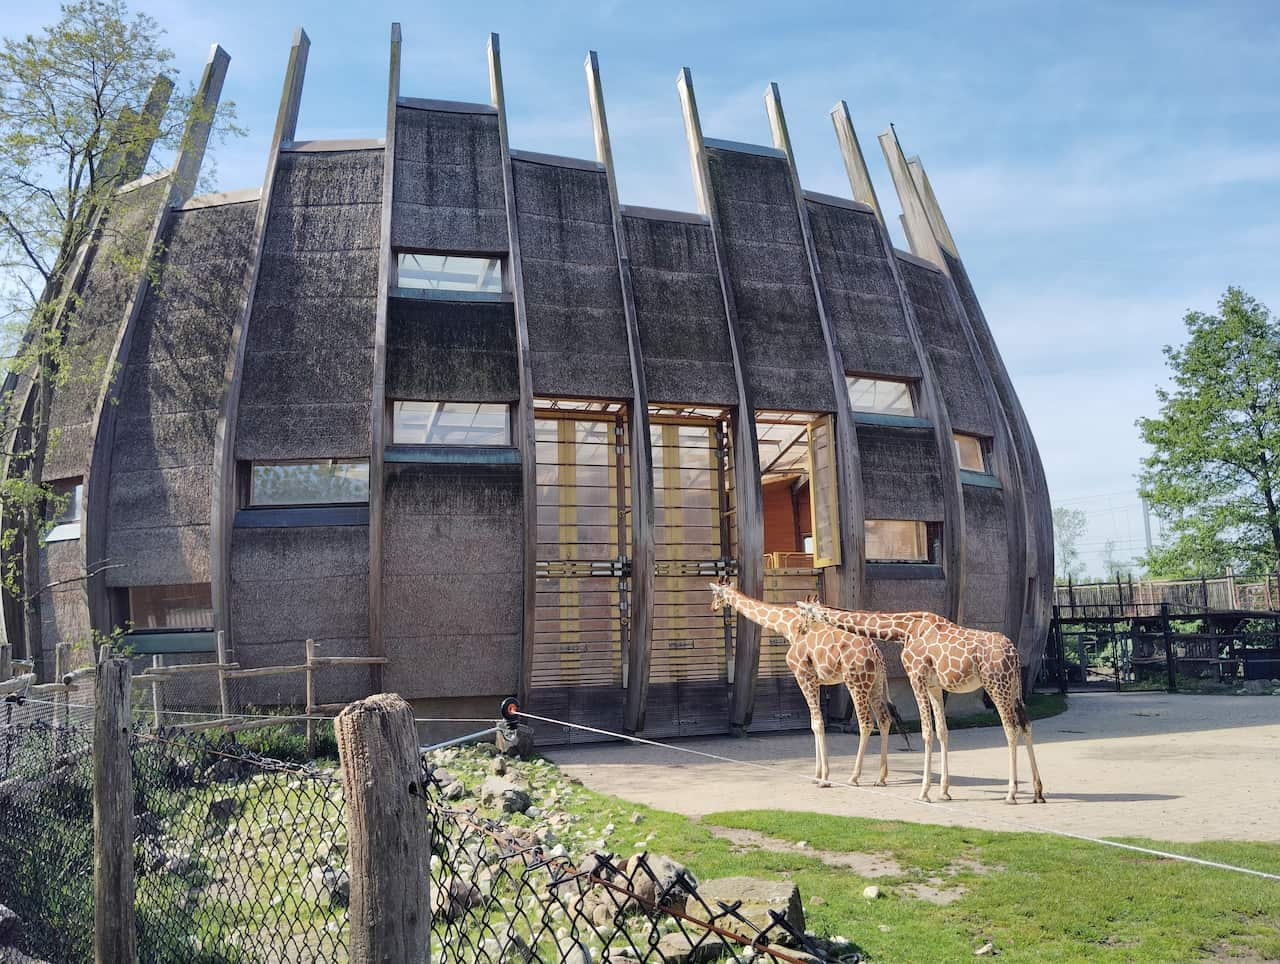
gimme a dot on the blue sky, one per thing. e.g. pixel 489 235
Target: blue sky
pixel 1103 166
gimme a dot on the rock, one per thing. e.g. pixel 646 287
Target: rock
pixel 442 776
pixel 817 901
pixel 636 817
pixel 10 926
pixel 454 898
pixel 332 883
pixel 871 893
pixel 224 808
pixel 455 791
pixel 986 950
pixel 1257 687
pixel 514 740
pixel 572 952
pixel 654 877
pixel 499 765
pixel 499 792
pixel 179 863
pixel 678 949
pixel 758 897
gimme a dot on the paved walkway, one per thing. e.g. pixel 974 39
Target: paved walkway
pixel 1133 764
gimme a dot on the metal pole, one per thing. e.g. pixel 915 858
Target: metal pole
pixel 1170 662
pixel 1146 523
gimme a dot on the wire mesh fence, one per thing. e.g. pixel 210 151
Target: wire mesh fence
pixel 237 857
pixel 46 830
pixel 498 895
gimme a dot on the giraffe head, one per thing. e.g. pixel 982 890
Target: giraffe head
pixel 811 610
pixel 721 595
pixel 808 618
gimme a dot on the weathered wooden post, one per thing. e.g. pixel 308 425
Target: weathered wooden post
pixel 223 695
pixel 61 698
pixel 157 698
pixel 1170 661
pixel 389 847
pixel 114 936
pixel 311 699
pixel 6 662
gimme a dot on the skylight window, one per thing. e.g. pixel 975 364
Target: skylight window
pixel 880 395
pixel 450 423
pixel 449 272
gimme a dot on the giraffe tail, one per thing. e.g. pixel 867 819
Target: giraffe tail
pixel 1020 714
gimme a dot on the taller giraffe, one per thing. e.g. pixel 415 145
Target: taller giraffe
pixel 825 655
pixel 939 655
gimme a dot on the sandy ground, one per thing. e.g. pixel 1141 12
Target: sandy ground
pixel 1171 767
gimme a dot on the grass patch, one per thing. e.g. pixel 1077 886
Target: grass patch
pixel 1036 897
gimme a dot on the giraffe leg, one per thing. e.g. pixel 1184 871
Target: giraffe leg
pixel 862 707
pixel 1035 771
pixel 885 721
pixel 940 722
pixel 1011 729
pixel 926 733
pixel 812 695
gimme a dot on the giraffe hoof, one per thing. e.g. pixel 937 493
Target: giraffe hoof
pixel 924 798
pixel 1011 801
pixel 946 795
pixel 1039 798
pixel 882 782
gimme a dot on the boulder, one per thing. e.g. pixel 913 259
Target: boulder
pixel 678 949
pixel 454 898
pixel 333 884
pixel 657 877
pixel 10 926
pixel 758 897
pixel 455 791
pixel 514 740
pixel 499 792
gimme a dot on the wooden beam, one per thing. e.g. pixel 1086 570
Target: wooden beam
pixel 377 411
pixel 855 164
pixel 643 549
pixel 524 430
pixel 850 576
pixel 223 505
pixel 746 456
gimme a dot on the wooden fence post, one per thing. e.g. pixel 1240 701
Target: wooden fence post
pixel 157 698
pixel 61 699
pixel 222 672
pixel 6 662
pixel 389 846
pixel 311 699
pixel 1171 662
pixel 114 936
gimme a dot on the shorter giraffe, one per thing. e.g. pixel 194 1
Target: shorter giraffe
pixel 825 655
pixel 939 655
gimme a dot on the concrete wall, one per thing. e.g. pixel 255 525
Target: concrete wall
pixel 171 389
pixel 448 182
pixel 784 355
pixel 573 299
pixel 680 312
pixel 453 580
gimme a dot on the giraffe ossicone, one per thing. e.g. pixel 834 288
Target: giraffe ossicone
pixel 819 655
pixel 938 655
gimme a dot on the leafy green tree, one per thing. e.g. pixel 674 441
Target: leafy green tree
pixel 1213 475
pixel 85 106
pixel 1068 526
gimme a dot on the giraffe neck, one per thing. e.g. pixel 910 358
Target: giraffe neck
pixel 882 626
pixel 783 620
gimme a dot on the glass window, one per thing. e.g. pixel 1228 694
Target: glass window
pixel 880 395
pixel 64 510
pixel 450 423
pixel 449 272
pixel 308 483
pixel 971 452
pixel 171 607
pixel 895 540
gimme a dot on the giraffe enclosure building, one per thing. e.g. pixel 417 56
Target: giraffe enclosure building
pixel 432 397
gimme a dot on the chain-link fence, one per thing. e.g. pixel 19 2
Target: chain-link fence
pixel 46 834
pixel 237 857
pixel 498 895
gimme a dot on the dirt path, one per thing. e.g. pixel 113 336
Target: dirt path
pixel 1135 764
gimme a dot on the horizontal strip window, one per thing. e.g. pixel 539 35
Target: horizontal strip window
pixel 894 421
pixel 65 508
pixel 881 395
pixel 449 273
pixel 904 570
pixel 903 541
pixel 180 607
pixel 984 479
pixel 450 423
pixel 453 454
pixel 154 642
pixel 297 517
pixel 322 482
